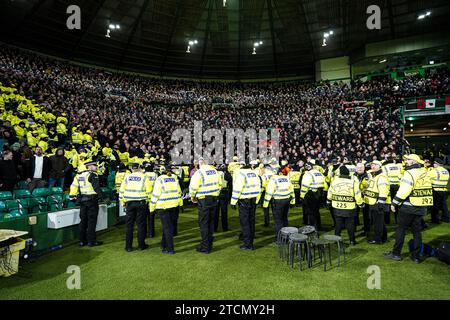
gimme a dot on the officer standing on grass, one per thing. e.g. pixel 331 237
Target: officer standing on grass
pixel 439 179
pixel 414 195
pixel 86 189
pixel 343 195
pixel 166 198
pixel 204 189
pixel 313 183
pixel 134 193
pixel 246 193
pixel 222 208
pixel 151 176
pixel 282 191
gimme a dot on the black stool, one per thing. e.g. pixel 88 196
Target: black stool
pixel 340 246
pixel 283 239
pixel 323 248
pixel 298 242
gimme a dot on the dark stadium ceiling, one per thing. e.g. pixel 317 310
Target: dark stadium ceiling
pixel 154 34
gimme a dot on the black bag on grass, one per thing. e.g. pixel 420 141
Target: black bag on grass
pixel 444 252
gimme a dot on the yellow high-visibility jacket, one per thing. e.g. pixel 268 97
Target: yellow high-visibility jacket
pixel 294 177
pixel 394 172
pixel 344 193
pixel 246 185
pixel 439 178
pixel 20 132
pixel 415 188
pixel 378 190
pixel 232 166
pixel 61 128
pixel 312 180
pixel 135 187
pixel 118 179
pixel 81 184
pixel 278 188
pixel 124 156
pixel 166 193
pixel 77 137
pixel 205 182
pixel 186 174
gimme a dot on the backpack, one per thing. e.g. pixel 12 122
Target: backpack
pixel 425 249
pixel 443 252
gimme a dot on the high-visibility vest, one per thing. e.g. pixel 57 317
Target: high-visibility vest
pixel 415 188
pixel 205 182
pixel 394 172
pixel 124 156
pixel 166 193
pixel 186 174
pixel 232 166
pixel 61 128
pixel 77 137
pixel 439 178
pixel 279 188
pixel 378 190
pixel 265 180
pixel 247 185
pixel 294 177
pixel 351 168
pixel 82 185
pixel 43 145
pixel 20 132
pixel 344 193
pixel 312 180
pixel 135 187
pixel 224 183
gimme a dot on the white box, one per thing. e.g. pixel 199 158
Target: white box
pixel 71 217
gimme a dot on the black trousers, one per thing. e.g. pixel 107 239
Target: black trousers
pixel 167 217
pixel 206 211
pixel 439 204
pixel 280 211
pixel 222 211
pixel 175 216
pixel 297 197
pixel 88 220
pixel 366 218
pixel 311 207
pixel 345 220
pixel 409 217
pixel 387 216
pixel 151 223
pixel 247 213
pixel 377 213
pixel 266 210
pixel 136 212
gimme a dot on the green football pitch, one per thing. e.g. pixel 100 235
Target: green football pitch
pixel 108 272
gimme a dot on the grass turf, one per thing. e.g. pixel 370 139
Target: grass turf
pixel 108 272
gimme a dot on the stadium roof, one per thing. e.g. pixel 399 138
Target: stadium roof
pixel 154 34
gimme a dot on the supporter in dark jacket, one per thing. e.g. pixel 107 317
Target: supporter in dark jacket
pixel 59 166
pixel 38 170
pixel 8 173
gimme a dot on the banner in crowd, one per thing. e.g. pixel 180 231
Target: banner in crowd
pixel 434 103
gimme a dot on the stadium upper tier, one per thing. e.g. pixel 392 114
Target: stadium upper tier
pixel 139 114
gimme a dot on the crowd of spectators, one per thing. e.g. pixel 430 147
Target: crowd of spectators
pixel 138 114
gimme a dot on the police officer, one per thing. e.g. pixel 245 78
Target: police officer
pixel 343 195
pixel 134 193
pixel 439 179
pixel 86 188
pixel 246 193
pixel 222 208
pixel 294 177
pixel 166 197
pixel 282 191
pixel 363 179
pixel 204 189
pixel 330 173
pixel 393 171
pixel 413 197
pixel 378 199
pixel 151 176
pixel 265 178
pixel 177 173
pixel 312 186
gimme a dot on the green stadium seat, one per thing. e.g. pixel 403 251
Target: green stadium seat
pixel 55 202
pixel 3 207
pixel 11 215
pixel 37 205
pixel 41 192
pixel 67 202
pixel 107 192
pixel 19 205
pixel 5 195
pixel 57 190
pixel 21 185
pixel 22 194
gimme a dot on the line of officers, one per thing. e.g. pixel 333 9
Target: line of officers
pixel 347 189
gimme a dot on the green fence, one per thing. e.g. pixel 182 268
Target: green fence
pixel 46 238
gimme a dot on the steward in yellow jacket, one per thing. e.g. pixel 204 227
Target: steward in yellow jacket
pixel 344 195
pixel 439 180
pixel 377 197
pixel 414 195
pixel 311 190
